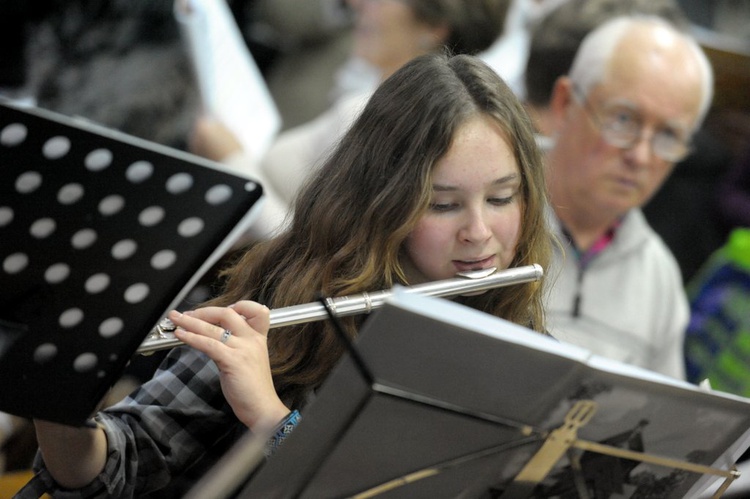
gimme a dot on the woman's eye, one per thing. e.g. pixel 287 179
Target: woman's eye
pixel 442 206
pixel 501 201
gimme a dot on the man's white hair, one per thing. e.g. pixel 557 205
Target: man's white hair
pixel 598 49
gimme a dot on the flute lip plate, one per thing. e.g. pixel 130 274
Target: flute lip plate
pixel 477 274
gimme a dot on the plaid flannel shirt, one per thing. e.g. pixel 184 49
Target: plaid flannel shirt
pixel 176 419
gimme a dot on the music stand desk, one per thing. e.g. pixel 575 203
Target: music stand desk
pixel 100 234
pixel 457 402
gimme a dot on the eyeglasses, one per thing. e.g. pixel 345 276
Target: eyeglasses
pixel 622 126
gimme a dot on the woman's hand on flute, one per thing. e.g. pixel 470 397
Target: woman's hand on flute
pixel 235 338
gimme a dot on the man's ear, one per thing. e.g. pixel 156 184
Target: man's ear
pixel 560 101
pixel 438 36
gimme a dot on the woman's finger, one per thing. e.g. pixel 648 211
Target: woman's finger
pixel 256 315
pixel 208 321
pixel 221 323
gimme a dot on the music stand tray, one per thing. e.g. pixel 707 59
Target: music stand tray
pixel 100 234
pixel 457 403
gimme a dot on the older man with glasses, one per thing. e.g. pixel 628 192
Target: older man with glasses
pixel 623 116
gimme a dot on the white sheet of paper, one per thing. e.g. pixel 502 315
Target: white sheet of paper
pixel 231 85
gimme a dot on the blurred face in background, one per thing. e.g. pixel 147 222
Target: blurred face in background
pixel 651 94
pixel 387 34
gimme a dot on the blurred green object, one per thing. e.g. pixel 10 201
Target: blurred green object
pixel 717 344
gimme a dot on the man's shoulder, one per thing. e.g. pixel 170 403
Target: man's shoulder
pixel 636 233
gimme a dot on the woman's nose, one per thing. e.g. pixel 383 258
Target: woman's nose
pixel 476 228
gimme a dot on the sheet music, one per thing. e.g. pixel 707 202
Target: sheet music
pixel 231 85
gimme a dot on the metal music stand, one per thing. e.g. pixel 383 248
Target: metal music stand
pixel 455 403
pixel 100 235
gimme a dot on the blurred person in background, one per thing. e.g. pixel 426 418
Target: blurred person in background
pixel 623 116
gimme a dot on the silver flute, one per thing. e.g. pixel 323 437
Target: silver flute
pixel 162 335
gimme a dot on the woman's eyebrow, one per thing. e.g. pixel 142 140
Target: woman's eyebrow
pixel 507 179
pixel 500 181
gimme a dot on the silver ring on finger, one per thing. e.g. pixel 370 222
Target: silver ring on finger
pixel 225 336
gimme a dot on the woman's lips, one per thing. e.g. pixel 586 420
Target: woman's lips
pixel 481 263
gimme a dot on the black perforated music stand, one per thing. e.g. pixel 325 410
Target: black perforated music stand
pixel 100 234
pixel 455 403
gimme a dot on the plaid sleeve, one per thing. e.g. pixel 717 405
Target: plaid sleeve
pixel 161 429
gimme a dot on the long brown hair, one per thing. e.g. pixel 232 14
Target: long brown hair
pixel 352 217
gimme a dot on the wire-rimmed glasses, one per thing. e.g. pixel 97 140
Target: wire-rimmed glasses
pixel 621 126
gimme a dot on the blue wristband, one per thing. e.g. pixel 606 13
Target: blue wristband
pixel 282 431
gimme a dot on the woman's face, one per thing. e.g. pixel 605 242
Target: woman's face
pixel 388 35
pixel 474 218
